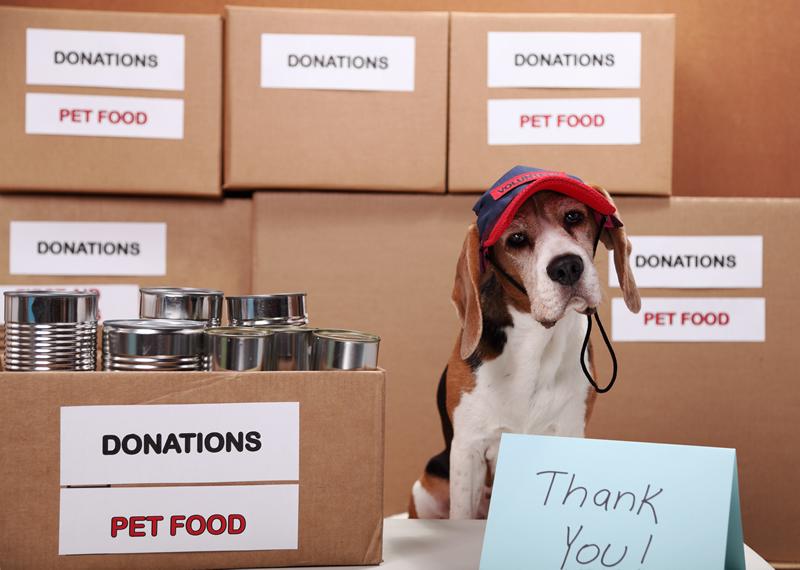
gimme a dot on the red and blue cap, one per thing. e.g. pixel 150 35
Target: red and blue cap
pixel 497 206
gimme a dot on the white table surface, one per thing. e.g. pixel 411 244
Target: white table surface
pixel 453 545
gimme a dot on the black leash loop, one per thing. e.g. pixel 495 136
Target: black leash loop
pixel 611 353
pixel 606 340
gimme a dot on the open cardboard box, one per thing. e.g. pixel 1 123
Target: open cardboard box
pixel 341 425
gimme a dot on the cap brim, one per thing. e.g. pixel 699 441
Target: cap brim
pixel 567 186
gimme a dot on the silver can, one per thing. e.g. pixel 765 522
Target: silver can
pixel 265 310
pixel 243 349
pixel 50 330
pixel 334 349
pixel 291 347
pixel 181 303
pixel 154 345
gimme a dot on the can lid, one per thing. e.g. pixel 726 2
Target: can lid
pixel 50 306
pixel 345 335
pixel 286 329
pixel 239 331
pixel 180 303
pixel 280 308
pixel 157 337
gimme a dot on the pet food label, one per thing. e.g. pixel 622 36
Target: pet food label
pixel 103 116
pixel 113 301
pixel 695 262
pixel 87 248
pixel 178 519
pixel 355 63
pixel 564 59
pixel 564 121
pixel 190 443
pixel 690 319
pixel 122 60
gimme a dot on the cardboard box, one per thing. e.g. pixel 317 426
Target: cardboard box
pixel 592 114
pixel 386 263
pixel 339 513
pixel 357 124
pixel 192 243
pixel 382 263
pixel 727 394
pixel 111 112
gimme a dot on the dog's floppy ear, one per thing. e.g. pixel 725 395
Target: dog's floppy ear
pixel 466 296
pixel 617 239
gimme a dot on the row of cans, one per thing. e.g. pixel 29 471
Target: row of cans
pixel 179 329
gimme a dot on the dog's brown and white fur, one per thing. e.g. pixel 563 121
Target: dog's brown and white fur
pixel 515 367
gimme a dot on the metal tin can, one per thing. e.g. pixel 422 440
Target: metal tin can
pixel 344 350
pixel 244 349
pixel 159 345
pixel 50 330
pixel 181 303
pixel 265 310
pixel 291 347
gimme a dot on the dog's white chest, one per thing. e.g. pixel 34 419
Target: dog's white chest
pixel 536 386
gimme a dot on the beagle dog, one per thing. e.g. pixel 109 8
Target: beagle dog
pixel 525 281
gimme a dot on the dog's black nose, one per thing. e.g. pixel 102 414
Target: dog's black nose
pixel 565 269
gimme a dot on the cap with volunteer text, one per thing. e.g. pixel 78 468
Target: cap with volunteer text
pixel 498 205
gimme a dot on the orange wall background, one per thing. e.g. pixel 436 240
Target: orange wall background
pixel 737 128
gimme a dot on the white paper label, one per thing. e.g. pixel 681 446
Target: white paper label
pixel 123 60
pixel 178 519
pixel 87 248
pixel 565 59
pixel 103 116
pixel 113 301
pixel 564 121
pixel 320 61
pixel 189 443
pixel 694 262
pixel 690 319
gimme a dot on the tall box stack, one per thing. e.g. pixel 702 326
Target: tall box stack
pixel 590 94
pixel 225 469
pixel 333 99
pixel 109 102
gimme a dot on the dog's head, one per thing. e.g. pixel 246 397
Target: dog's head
pixel 548 249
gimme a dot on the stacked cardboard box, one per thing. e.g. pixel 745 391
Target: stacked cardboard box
pixel 335 99
pixel 585 93
pixel 116 246
pixel 110 102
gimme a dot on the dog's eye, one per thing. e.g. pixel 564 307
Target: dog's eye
pixel 517 240
pixel 573 217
